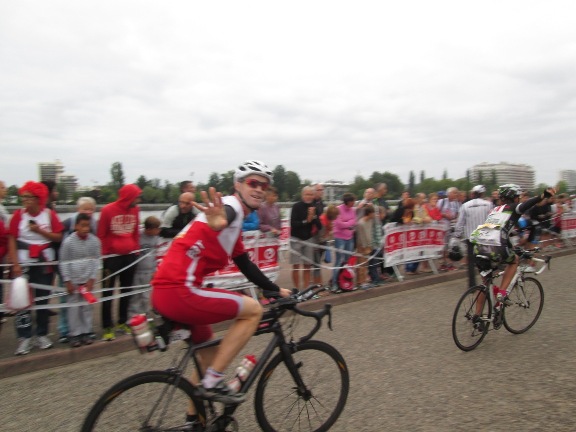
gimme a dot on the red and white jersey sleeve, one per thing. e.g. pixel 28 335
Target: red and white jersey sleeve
pixel 198 250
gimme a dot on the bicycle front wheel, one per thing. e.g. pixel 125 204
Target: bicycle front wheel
pixel 527 302
pixel 148 401
pixel 282 406
pixel 471 318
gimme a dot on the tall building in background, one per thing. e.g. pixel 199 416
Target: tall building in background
pixel 504 172
pixel 50 170
pixel 67 184
pixel 333 191
pixel 70 184
pixel 569 176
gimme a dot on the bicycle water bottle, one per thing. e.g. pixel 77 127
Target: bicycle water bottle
pixel 242 372
pixel 141 331
pixel 499 295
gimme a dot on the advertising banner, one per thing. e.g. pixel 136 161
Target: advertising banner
pixel 404 243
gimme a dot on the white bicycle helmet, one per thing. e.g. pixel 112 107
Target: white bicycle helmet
pixel 253 167
pixel 480 189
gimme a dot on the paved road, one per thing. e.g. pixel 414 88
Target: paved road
pixel 406 372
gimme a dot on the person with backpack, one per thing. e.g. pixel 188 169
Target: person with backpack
pixel 344 228
pixel 492 238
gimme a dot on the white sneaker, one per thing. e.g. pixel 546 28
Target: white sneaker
pixel 44 342
pixel 24 346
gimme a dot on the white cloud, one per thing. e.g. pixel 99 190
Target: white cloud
pixel 327 89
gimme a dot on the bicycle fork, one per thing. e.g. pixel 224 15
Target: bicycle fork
pixel 287 350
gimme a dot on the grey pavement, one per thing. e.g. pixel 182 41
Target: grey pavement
pixel 62 354
pixel 406 372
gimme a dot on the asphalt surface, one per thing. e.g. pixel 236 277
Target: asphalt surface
pixel 62 354
pixel 406 372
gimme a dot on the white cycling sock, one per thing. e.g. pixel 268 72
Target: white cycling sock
pixel 211 378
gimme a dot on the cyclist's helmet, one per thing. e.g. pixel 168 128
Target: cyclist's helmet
pixel 509 191
pixel 479 189
pixel 253 167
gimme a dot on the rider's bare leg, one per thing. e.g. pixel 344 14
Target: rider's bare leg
pixel 238 334
pixel 509 273
pixel 205 357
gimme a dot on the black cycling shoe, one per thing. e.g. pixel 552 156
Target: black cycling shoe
pixel 479 323
pixel 221 393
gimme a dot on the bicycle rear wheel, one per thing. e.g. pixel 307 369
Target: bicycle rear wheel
pixel 528 300
pixel 281 406
pixel 148 401
pixel 471 318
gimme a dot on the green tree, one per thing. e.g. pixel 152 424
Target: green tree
pixel 63 194
pixel 445 174
pixel 226 184
pixel 411 183
pixel 395 185
pixel 279 176
pixel 213 180
pixel 359 185
pixel 422 176
pixel 117 176
pixel 151 195
pixel 142 182
pixel 107 194
pixel 562 187
pixel 292 186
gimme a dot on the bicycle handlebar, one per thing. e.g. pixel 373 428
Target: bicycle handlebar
pixel 291 303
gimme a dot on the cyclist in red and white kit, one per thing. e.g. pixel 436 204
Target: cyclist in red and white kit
pixel 202 247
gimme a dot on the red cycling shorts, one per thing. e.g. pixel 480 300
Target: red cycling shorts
pixel 196 307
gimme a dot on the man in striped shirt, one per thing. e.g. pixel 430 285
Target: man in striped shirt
pixel 472 214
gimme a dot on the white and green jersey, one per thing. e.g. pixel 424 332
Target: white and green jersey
pixel 493 231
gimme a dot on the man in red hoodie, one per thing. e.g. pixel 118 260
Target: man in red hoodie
pixel 118 231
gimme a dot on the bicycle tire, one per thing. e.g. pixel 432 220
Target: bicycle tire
pixel 127 404
pixel 281 407
pixel 528 300
pixel 467 328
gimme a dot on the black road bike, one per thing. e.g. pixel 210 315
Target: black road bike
pixel 301 387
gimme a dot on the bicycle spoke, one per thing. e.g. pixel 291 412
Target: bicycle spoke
pixel 282 407
pixel 527 301
pixel 149 401
pixel 469 325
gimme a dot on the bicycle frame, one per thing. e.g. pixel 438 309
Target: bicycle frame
pixel 490 275
pixel 268 324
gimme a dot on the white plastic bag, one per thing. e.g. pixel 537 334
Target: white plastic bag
pixel 19 296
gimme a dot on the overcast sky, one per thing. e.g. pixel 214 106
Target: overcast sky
pixel 329 89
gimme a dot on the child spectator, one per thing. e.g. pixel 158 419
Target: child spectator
pixel 140 303
pixel 84 205
pixel 79 265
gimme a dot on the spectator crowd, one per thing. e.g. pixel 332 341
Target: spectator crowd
pixel 72 256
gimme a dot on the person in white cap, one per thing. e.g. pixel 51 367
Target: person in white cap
pixel 472 213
